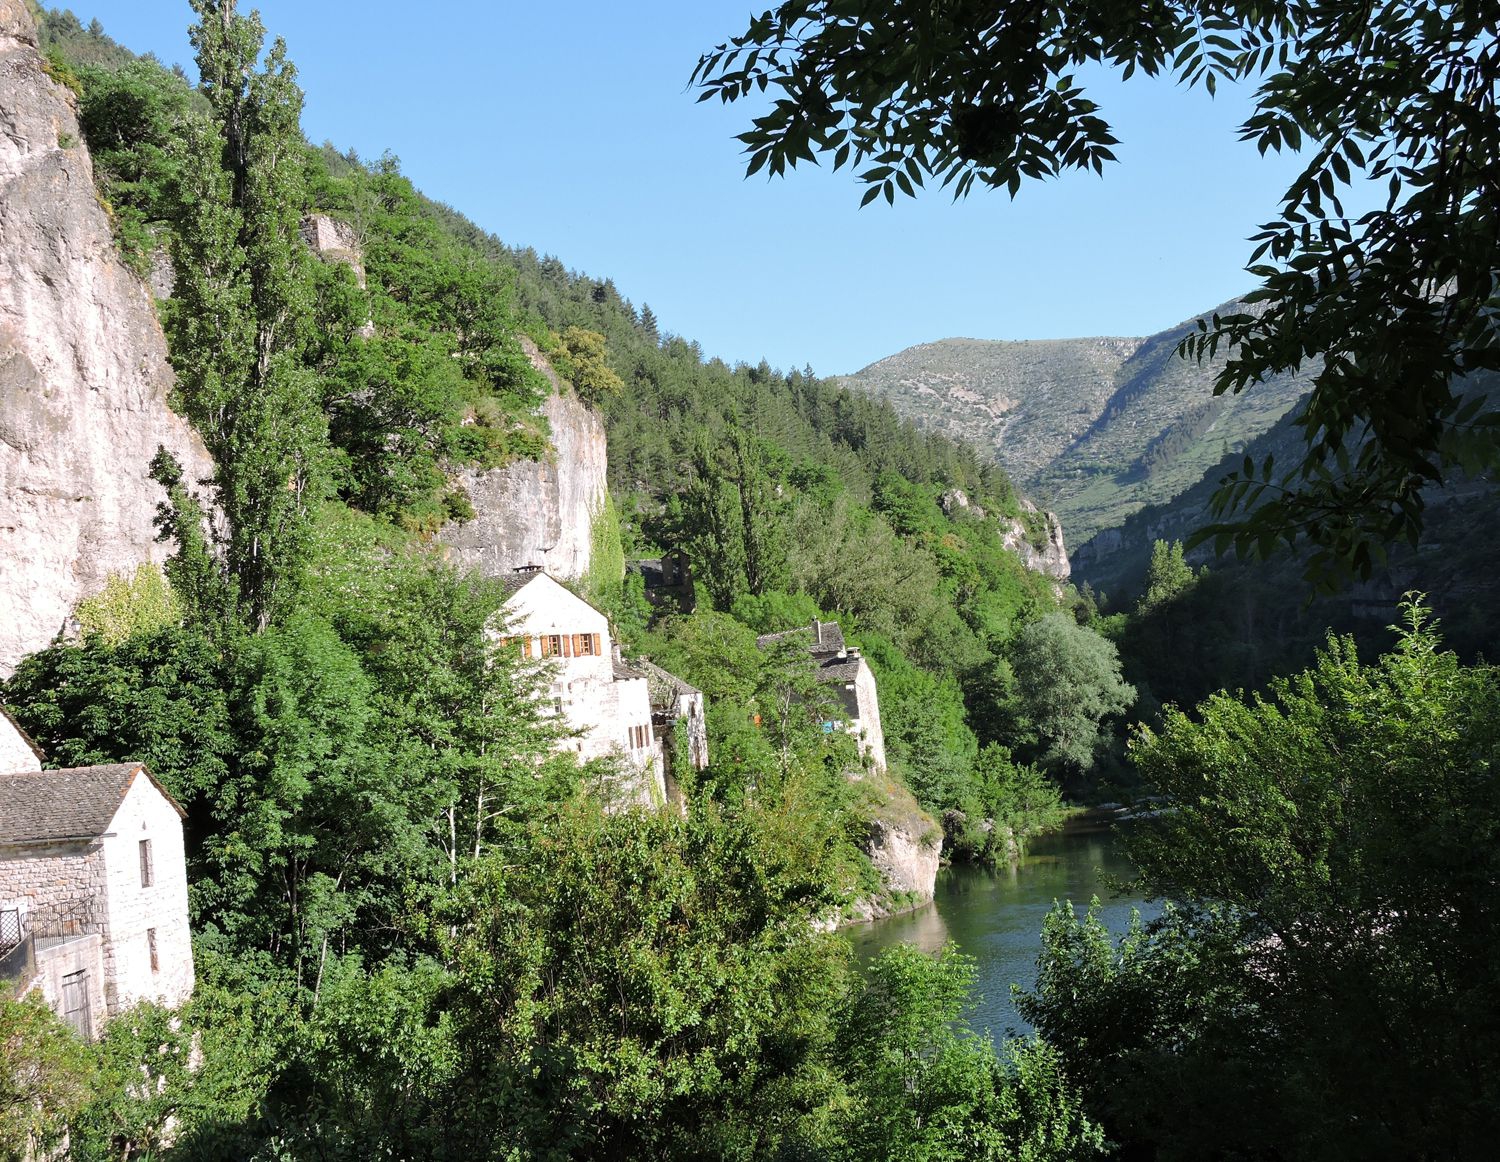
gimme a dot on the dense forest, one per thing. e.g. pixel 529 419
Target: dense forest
pixel 422 931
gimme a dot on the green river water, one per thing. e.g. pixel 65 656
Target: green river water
pixel 996 915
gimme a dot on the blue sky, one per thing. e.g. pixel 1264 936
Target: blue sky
pixel 567 126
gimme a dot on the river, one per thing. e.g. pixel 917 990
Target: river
pixel 996 915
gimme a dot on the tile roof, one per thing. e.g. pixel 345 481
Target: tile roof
pixel 624 673
pixel 664 686
pixel 75 803
pixel 840 669
pixel 823 637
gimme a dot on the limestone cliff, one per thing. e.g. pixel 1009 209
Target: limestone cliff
pixel 83 367
pixel 906 854
pixel 1051 557
pixel 537 512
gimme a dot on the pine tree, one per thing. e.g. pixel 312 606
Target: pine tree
pixel 240 313
pixel 649 326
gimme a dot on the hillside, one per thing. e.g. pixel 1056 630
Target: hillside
pixel 1096 428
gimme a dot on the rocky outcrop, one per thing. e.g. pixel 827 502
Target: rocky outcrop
pixel 536 512
pixel 906 854
pixel 1049 557
pixel 83 367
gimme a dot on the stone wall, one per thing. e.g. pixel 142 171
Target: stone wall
pixel 135 910
pixel 867 725
pixel 537 512
pixel 84 376
pixel 335 241
pixel 56 960
pixel 59 887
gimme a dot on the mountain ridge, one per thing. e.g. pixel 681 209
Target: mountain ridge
pixel 1095 427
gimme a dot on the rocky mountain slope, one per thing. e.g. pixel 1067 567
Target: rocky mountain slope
pixel 84 377
pixel 1115 558
pixel 1094 428
pixel 85 383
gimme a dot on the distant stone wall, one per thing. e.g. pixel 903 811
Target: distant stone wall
pixel 335 241
pixel 867 725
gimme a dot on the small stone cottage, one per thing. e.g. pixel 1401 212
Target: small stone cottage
pixel 842 667
pixel 680 721
pixel 607 701
pixel 93 887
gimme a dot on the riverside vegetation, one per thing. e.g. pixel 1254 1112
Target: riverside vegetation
pixel 419 931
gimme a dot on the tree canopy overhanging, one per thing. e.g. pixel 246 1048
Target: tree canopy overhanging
pixel 1392 313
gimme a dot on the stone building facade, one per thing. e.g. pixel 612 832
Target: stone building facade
pixel 841 667
pixel 93 890
pixel 17 751
pixel 681 723
pixel 604 699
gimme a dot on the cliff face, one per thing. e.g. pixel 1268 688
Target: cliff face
pixel 1050 558
pixel 537 512
pixel 83 368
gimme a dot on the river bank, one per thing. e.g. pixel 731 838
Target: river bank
pixel 995 915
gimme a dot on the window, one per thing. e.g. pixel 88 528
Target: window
pixel 151 948
pixel 588 644
pixel 147 877
pixel 552 645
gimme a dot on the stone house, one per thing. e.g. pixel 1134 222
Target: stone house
pixel 605 700
pixel 93 888
pixel 680 721
pixel 841 667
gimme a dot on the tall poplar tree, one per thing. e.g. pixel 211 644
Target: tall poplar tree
pixel 241 311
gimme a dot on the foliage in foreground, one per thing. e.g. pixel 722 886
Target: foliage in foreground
pixel 1327 987
pixel 637 986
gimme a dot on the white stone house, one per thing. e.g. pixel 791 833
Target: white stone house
pixel 841 667
pixel 93 888
pixel 606 702
pixel 680 722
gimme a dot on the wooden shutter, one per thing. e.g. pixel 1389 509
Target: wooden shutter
pixel 597 650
